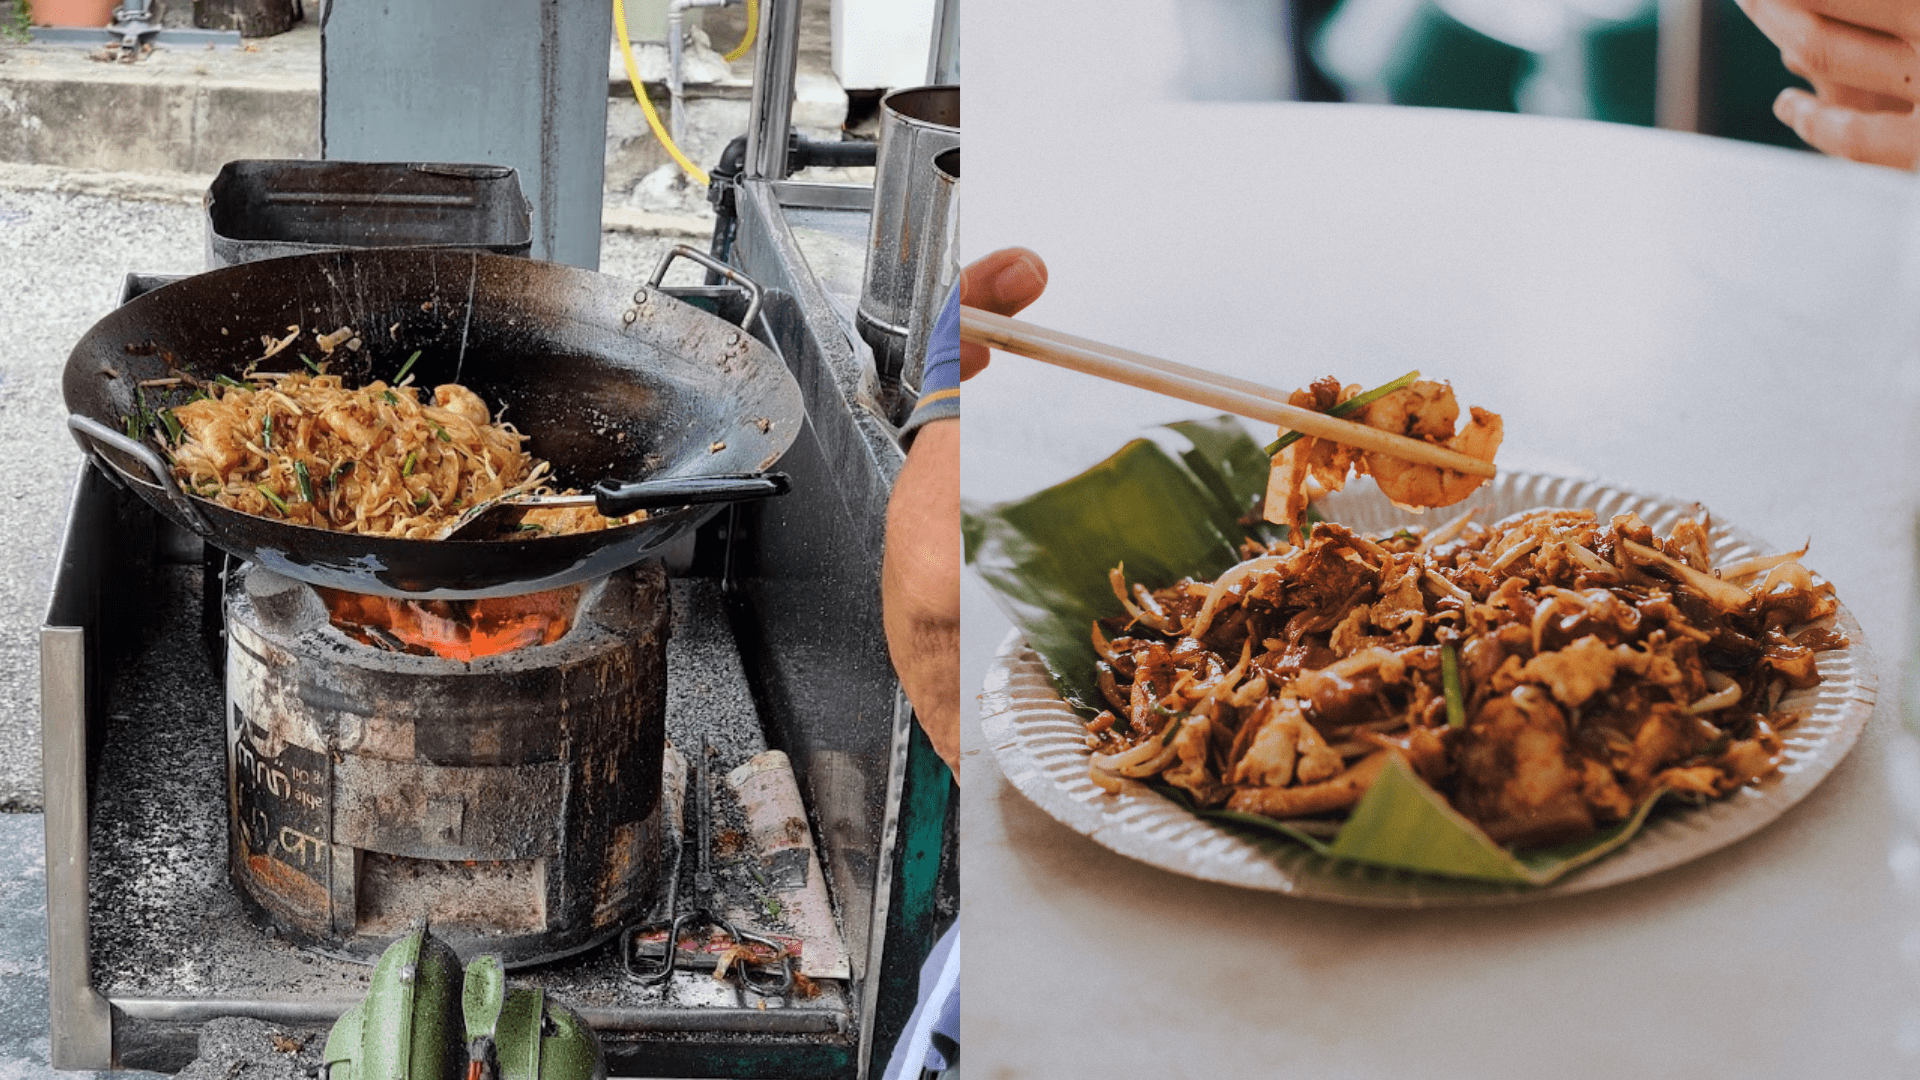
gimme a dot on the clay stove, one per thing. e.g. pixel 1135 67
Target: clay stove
pixel 493 765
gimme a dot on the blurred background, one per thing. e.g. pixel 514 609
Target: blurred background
pixel 1688 65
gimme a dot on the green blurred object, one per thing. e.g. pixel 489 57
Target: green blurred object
pixel 1441 61
pixel 1744 76
pixel 423 1019
pixel 1415 53
pixel 1623 62
pixel 408 1025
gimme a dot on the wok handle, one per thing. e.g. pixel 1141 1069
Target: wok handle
pixel 88 432
pixel 747 284
pixel 614 499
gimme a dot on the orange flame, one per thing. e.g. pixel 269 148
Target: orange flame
pixel 454 629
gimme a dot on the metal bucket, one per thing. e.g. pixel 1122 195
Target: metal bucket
pixel 915 125
pixel 939 263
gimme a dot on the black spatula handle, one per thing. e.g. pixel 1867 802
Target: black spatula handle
pixel 618 500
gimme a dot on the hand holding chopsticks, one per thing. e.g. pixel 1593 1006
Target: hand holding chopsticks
pixel 1236 396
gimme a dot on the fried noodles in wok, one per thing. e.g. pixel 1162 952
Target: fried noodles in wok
pixel 378 460
pixel 1591 664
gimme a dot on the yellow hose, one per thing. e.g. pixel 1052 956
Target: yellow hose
pixel 646 106
pixel 746 39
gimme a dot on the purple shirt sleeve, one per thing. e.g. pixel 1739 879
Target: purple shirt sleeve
pixel 940 383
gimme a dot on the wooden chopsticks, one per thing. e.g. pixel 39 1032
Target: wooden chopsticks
pixel 1216 391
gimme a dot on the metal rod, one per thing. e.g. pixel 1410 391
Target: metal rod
pixel 604 1018
pixel 883 873
pixel 776 59
pixel 676 59
pixel 80 1023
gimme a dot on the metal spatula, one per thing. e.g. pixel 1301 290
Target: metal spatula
pixel 613 499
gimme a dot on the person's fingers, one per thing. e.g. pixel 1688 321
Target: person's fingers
pixel 1900 18
pixel 1004 282
pixel 1849 97
pixel 1878 138
pixel 1823 48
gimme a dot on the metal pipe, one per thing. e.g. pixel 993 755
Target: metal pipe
pixel 80 1023
pixel 943 57
pixel 773 73
pixel 676 80
pixel 784 1021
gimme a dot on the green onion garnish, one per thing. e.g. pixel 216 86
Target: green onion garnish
pixel 266 431
pixel 441 433
pixel 228 380
pixel 392 399
pixel 310 363
pixel 306 482
pixel 406 367
pixel 279 503
pixel 1173 723
pixel 1450 681
pixel 529 527
pixel 1352 404
pixel 406 467
pixel 173 424
pixel 422 500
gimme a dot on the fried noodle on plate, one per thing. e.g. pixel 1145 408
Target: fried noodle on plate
pixel 1545 673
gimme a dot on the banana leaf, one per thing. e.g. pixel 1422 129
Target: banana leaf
pixel 1171 506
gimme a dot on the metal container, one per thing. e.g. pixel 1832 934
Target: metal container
pixel 915 125
pixel 939 264
pixel 267 209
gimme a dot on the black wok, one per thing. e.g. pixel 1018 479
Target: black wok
pixel 606 383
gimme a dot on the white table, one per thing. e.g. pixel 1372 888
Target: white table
pixel 1672 313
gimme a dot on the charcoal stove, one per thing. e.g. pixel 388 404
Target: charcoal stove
pixel 491 765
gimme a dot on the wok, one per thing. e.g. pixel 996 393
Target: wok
pixel 607 384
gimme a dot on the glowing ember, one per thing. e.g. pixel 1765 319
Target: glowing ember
pixel 454 629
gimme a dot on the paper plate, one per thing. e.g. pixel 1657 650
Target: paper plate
pixel 1040 743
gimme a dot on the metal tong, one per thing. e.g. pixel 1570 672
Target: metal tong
pixel 703 918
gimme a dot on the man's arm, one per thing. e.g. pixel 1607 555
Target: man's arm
pixel 921 583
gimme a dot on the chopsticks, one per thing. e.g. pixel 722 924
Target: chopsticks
pixel 1216 391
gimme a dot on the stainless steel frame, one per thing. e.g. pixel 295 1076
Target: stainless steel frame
pixel 776 59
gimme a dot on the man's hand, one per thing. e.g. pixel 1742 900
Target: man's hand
pixel 1004 283
pixel 1859 56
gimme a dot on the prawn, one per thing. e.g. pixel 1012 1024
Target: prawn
pixel 1427 410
